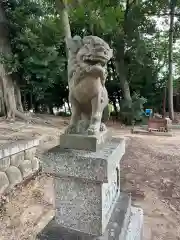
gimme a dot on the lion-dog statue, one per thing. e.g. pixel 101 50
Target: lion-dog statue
pixel 87 72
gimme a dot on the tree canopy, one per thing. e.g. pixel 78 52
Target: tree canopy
pixel 138 32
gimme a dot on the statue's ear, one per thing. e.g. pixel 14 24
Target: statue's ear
pixel 73 44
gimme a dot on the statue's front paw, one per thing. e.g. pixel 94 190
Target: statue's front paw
pixel 71 129
pixel 102 127
pixel 82 127
pixel 93 130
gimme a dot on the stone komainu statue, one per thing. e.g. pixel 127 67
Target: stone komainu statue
pixel 87 71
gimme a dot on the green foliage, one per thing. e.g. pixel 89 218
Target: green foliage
pixel 39 57
pixel 38 47
pixel 64 114
pixel 133 111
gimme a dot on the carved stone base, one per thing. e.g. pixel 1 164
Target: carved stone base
pixel 87 185
pixel 126 223
pixel 85 142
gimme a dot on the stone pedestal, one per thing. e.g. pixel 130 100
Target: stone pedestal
pixel 126 223
pixel 87 185
pixel 85 142
pixel 88 202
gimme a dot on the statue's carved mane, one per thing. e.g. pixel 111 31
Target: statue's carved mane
pixel 79 48
pixel 87 63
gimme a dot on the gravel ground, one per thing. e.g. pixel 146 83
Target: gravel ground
pixel 149 170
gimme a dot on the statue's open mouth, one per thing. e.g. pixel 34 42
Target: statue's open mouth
pixel 97 61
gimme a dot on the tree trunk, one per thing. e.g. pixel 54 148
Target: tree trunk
pixel 36 107
pixel 69 105
pixel 2 106
pixel 119 100
pixel 62 8
pixel 65 108
pixel 120 55
pixel 115 107
pixel 170 55
pixel 50 107
pixel 7 83
pixel 18 97
pixel 120 66
pixel 164 102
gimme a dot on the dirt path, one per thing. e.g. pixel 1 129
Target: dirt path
pixel 149 170
pixel 152 177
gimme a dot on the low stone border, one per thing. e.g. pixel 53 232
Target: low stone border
pixel 153 133
pixel 17 162
pixel 173 126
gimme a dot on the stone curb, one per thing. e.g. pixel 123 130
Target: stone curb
pixel 19 146
pixel 17 162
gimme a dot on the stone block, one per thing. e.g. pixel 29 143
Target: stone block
pixel 48 190
pixel 4 163
pixel 26 168
pixel 17 159
pixel 78 205
pixel 135 227
pixel 4 182
pixel 87 185
pixel 18 146
pixel 125 224
pixel 14 175
pixel 35 164
pixel 30 153
pixel 93 166
pixel 84 142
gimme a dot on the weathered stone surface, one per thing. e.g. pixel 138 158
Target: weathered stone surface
pixel 18 146
pixel 48 191
pixel 14 175
pixel 26 168
pixel 17 159
pixel 135 227
pixel 120 227
pixel 87 185
pixel 85 142
pixel 4 182
pixel 84 164
pixel 35 164
pixel 86 79
pixel 78 205
pixel 30 153
pixel 4 163
pixel 110 193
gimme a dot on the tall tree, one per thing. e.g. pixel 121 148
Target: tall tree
pixel 120 55
pixel 11 98
pixel 62 7
pixel 170 60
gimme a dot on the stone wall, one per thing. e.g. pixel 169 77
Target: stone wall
pixel 17 162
